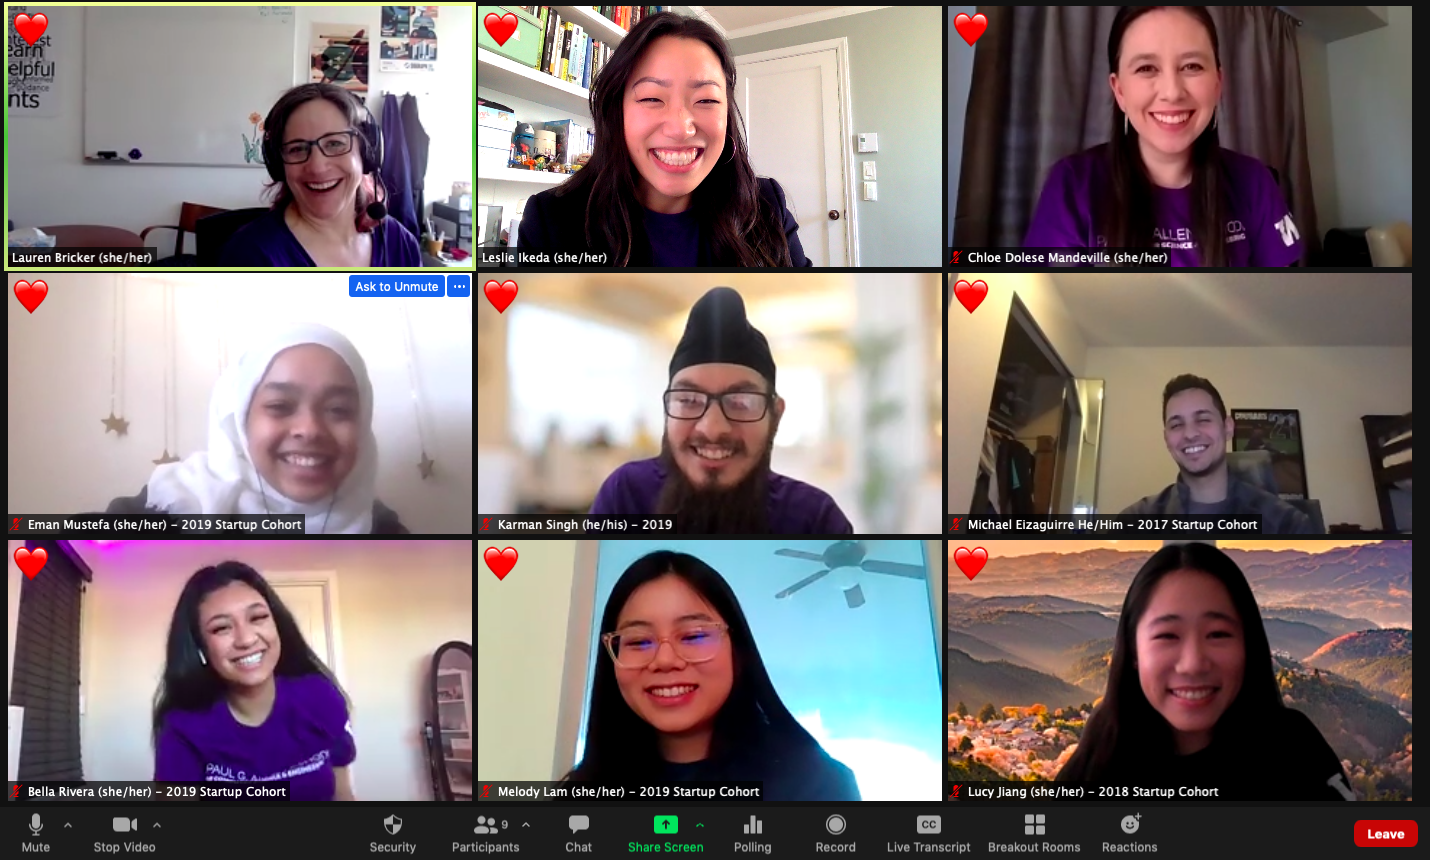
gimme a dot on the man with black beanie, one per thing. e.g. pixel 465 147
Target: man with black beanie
pixel 713 475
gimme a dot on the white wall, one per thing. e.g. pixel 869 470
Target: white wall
pixel 521 645
pixel 398 601
pixel 1371 116
pixel 1331 386
pixel 60 361
pixel 975 344
pixel 49 183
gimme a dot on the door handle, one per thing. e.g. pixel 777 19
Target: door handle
pixel 833 214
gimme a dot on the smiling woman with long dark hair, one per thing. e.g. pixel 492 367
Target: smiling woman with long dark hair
pixel 243 697
pixel 681 693
pixel 1192 698
pixel 670 181
pixel 1164 180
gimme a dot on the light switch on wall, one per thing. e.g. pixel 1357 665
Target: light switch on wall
pixel 869 170
pixel 871 191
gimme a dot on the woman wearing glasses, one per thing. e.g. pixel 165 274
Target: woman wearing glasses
pixel 681 694
pixel 326 211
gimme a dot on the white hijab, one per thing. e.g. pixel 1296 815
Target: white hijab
pixel 223 479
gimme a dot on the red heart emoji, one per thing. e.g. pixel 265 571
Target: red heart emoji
pixel 30 295
pixel 500 28
pixel 500 295
pixel 970 295
pixel 31 29
pixel 970 28
pixel 501 561
pixel 969 562
pixel 31 562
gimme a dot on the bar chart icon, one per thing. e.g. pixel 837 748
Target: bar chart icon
pixel 755 827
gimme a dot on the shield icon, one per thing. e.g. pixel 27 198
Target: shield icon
pixel 392 824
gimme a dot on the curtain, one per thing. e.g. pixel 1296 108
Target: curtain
pixel 1039 93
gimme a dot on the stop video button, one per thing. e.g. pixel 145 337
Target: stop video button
pixel 1386 834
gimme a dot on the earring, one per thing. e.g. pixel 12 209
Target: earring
pixel 202 659
pixel 1216 115
pixel 1124 125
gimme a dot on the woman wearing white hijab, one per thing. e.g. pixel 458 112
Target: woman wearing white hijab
pixel 290 432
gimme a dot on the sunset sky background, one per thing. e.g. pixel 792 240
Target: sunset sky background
pixel 1029 547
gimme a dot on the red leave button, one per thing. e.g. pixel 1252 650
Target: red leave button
pixel 1386 834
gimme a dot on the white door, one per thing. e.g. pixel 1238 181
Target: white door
pixel 307 602
pixel 796 119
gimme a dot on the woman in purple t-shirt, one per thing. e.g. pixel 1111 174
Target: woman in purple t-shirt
pixel 1163 181
pixel 244 699
pixel 320 146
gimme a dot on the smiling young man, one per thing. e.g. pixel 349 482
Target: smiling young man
pixel 713 475
pixel 1196 429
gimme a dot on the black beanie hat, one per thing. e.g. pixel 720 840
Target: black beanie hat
pixel 717 331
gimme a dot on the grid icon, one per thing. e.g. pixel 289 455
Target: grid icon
pixel 1034 825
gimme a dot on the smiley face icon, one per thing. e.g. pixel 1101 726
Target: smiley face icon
pixel 1130 824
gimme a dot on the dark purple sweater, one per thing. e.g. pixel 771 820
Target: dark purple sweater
pixel 268 242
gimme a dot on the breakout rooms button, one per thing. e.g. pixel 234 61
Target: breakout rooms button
pixel 396 285
pixel 1386 834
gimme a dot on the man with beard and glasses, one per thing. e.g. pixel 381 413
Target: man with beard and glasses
pixel 1196 429
pixel 713 474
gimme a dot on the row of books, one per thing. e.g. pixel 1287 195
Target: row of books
pixel 571 54
pixel 572 139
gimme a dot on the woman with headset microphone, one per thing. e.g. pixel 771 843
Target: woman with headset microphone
pixel 319 143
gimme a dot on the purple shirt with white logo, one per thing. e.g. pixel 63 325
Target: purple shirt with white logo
pixel 1259 232
pixel 305 736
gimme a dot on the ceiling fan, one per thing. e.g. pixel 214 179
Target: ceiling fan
pixel 847 554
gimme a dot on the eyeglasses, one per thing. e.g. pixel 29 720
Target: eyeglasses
pixel 695 643
pixel 739 406
pixel 334 144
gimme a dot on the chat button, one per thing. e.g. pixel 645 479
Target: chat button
pixel 577 823
pixel 459 286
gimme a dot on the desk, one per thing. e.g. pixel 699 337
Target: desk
pixel 92 236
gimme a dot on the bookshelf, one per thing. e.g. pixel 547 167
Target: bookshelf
pixel 539 177
pixel 508 76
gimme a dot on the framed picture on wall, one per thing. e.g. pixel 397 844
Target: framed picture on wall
pixel 1277 431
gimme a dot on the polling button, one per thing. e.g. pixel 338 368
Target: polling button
pixel 1386 834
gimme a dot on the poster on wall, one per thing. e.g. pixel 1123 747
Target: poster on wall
pixel 33 60
pixel 408 40
pixel 1277 431
pixel 337 54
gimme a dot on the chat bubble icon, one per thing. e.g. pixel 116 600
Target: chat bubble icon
pixel 577 823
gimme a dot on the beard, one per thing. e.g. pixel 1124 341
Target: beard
pixel 1202 473
pixel 741 509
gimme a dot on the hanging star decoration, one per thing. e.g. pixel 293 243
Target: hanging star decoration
pixel 167 458
pixel 425 467
pixel 118 425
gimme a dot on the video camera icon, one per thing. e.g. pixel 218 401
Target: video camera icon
pixel 124 825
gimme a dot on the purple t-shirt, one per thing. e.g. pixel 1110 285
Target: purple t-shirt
pixel 1260 231
pixel 304 738
pixel 267 241
pixel 795 507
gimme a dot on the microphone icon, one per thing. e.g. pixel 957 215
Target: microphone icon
pixel 35 825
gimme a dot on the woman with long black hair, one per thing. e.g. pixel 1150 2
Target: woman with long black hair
pixel 681 693
pixel 243 698
pixel 1192 698
pixel 1164 180
pixel 670 182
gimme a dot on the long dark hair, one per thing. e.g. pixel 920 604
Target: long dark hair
pixel 1125 733
pixel 191 685
pixel 752 723
pixel 742 228
pixel 1126 217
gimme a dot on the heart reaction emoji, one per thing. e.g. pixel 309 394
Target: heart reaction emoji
pixel 970 562
pixel 31 29
pixel 969 28
pixel 31 562
pixel 500 295
pixel 30 295
pixel 970 295
pixel 502 27
pixel 501 561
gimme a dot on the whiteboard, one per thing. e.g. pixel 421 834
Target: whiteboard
pixel 178 83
